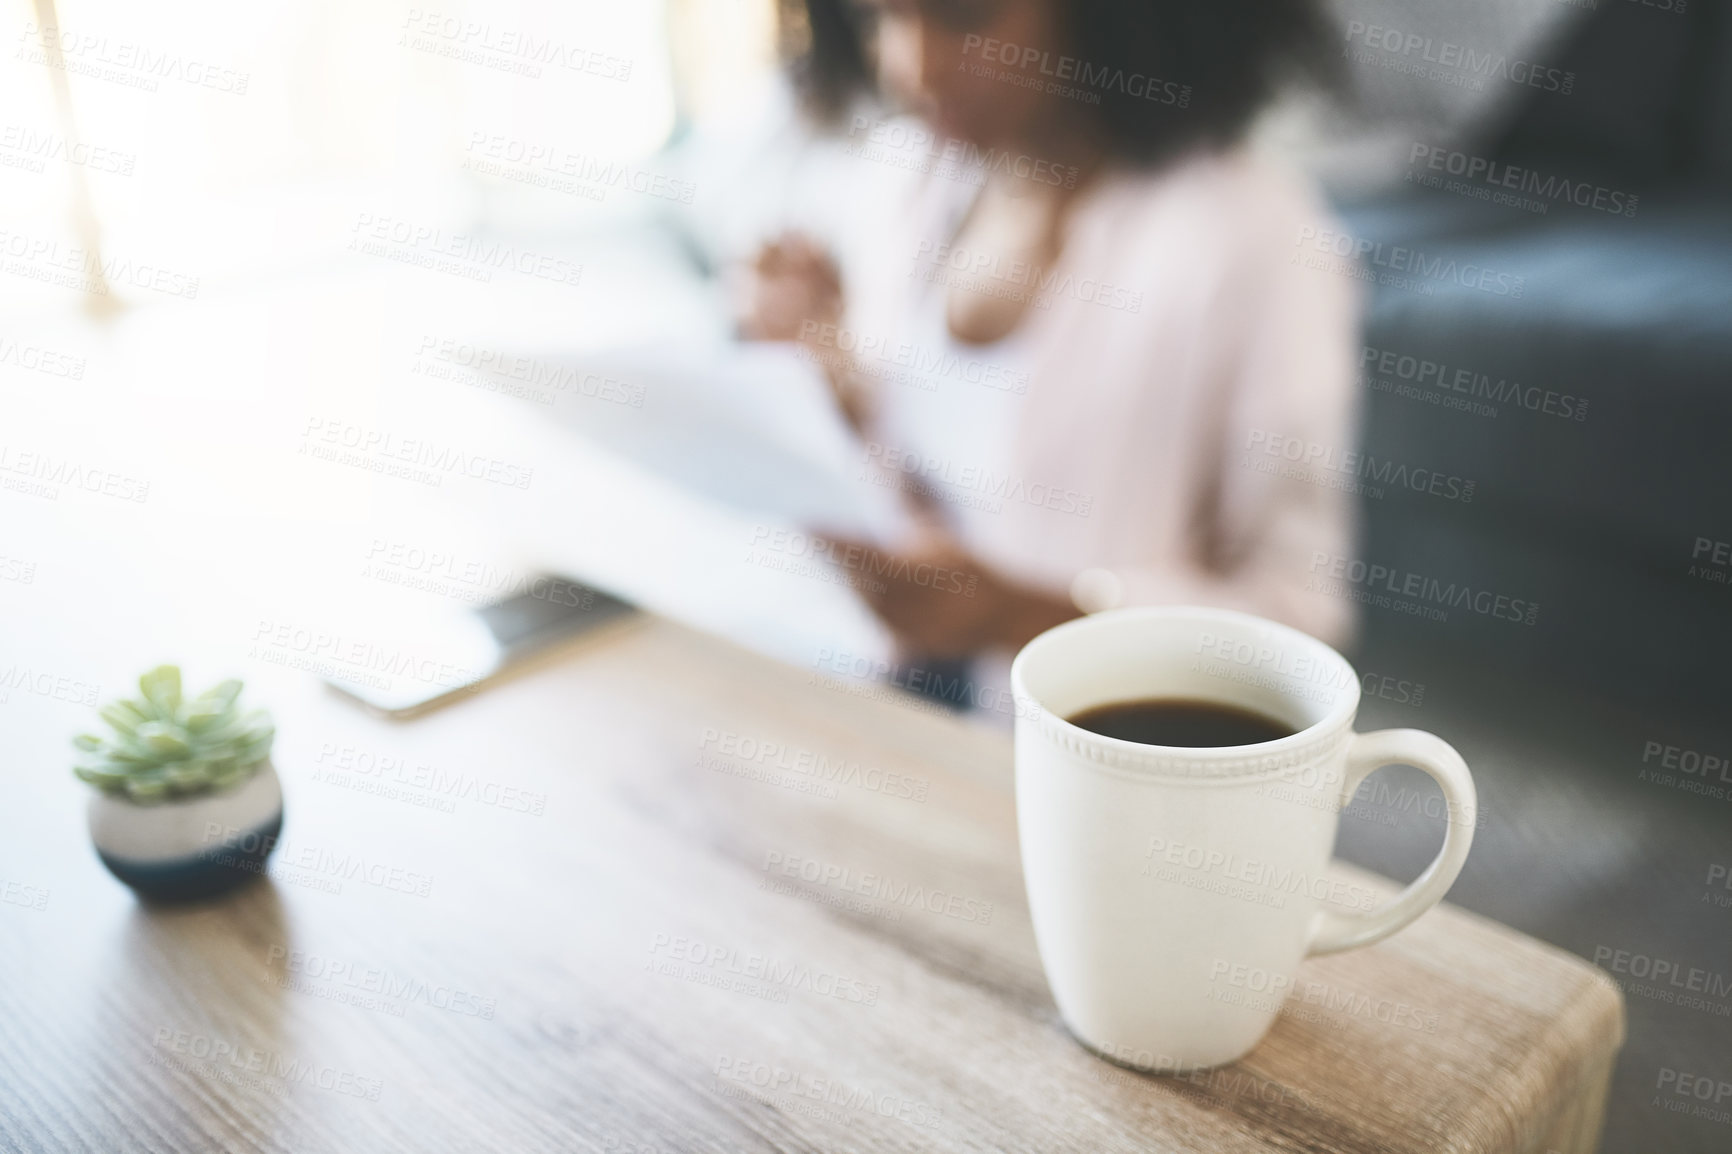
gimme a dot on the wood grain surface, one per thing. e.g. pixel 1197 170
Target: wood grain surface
pixel 559 916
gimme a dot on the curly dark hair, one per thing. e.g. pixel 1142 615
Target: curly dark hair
pixel 823 44
pixel 1170 75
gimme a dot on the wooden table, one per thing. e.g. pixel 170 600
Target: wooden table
pixel 614 904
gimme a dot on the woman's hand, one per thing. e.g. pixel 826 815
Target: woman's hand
pixel 792 292
pixel 940 602
pixel 792 287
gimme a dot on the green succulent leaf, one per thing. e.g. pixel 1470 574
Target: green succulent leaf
pixel 161 687
pixel 165 745
pixel 101 776
pixel 131 751
pixel 221 695
pixel 146 789
pixel 124 716
pixel 200 716
pixel 188 774
pixel 165 739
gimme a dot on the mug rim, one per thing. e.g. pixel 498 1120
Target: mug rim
pixel 1339 716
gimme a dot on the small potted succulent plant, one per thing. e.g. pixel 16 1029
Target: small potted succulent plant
pixel 187 802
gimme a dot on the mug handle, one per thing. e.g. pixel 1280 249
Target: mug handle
pixel 1337 930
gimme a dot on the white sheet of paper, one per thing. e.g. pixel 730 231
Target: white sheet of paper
pixel 750 424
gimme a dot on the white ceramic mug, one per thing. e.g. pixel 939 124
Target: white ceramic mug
pixel 1175 891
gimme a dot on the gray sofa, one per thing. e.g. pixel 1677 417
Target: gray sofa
pixel 1598 513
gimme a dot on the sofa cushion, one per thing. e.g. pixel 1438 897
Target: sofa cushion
pixel 1593 414
pixel 1632 316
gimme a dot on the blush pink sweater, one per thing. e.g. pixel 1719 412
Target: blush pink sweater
pixel 1189 416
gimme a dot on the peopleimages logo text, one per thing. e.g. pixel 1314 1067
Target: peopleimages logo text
pixel 227 1059
pixel 134 65
pixel 1498 174
pixel 1690 762
pixel 538 163
pixel 763 968
pixel 35 148
pixel 1425 591
pixel 776 755
pixel 867 349
pixel 1412 262
pixel 1026 58
pixel 1046 283
pixel 1424 50
pixel 877 886
pixel 524 51
pixel 37 359
pixel 780 1085
pixel 55 471
pixel 438 459
pixel 946 479
pixel 467 254
pixel 1667 973
pixel 862 560
pixel 1325 459
pixel 1387 366
pixel 950 156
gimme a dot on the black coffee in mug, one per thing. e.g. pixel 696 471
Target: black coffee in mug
pixel 1181 721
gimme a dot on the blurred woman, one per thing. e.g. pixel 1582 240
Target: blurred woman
pixel 1103 357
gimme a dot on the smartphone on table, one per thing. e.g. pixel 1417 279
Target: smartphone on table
pixel 475 646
